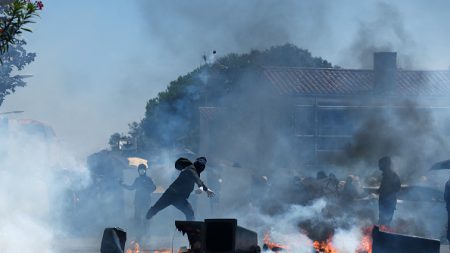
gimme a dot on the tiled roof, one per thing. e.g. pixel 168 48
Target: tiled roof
pixel 311 81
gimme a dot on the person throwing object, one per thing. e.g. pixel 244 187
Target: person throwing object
pixel 178 192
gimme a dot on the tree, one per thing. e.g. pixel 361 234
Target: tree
pixel 136 135
pixel 15 59
pixel 114 141
pixel 171 119
pixel 14 15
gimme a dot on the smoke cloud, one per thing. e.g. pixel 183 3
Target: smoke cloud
pixel 164 39
pixel 116 75
pixel 35 173
pixel 409 132
pixel 387 32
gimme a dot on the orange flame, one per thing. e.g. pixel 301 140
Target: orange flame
pixel 385 228
pixel 135 248
pixel 324 247
pixel 365 246
pixel 272 245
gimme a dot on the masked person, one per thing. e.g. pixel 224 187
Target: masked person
pixel 389 187
pixel 143 186
pixel 447 201
pixel 178 192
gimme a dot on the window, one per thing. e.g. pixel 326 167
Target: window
pixel 304 120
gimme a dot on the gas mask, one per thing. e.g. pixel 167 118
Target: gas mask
pixel 142 172
pixel 142 169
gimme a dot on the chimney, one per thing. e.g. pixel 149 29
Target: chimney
pixel 384 71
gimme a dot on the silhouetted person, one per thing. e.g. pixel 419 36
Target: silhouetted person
pixel 447 201
pixel 143 186
pixel 389 187
pixel 350 191
pixel 331 187
pixel 178 192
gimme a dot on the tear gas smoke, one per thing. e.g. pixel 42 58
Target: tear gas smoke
pixel 34 177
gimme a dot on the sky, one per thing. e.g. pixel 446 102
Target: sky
pixel 99 62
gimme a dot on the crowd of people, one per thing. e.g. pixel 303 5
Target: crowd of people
pixel 323 185
pixel 302 191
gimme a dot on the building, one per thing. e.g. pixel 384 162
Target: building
pixel 318 111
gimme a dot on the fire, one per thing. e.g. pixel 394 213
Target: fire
pixel 135 248
pixel 365 246
pixel 268 244
pixel 385 228
pixel 324 247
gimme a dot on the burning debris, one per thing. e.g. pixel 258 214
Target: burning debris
pixel 324 247
pixel 324 222
pixel 364 246
pixel 219 235
pixel 136 248
pixel 273 246
pixel 222 235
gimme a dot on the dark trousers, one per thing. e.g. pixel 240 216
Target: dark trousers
pixel 141 224
pixel 386 208
pixel 168 198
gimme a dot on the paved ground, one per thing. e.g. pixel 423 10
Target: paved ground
pixel 85 245
pixel 73 245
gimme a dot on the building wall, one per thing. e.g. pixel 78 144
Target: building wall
pixel 293 132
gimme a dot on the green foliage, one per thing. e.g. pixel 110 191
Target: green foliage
pixel 136 135
pixel 15 15
pixel 171 119
pixel 14 19
pixel 14 60
pixel 114 140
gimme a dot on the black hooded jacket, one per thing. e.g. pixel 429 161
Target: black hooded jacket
pixel 390 185
pixel 185 182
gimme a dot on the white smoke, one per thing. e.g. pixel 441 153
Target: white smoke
pixel 347 240
pixel 31 188
pixel 283 228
